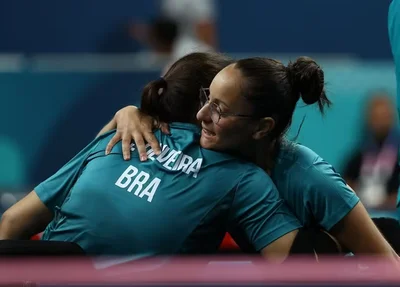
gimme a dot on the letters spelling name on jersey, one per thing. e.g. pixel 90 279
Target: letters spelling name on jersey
pixel 172 159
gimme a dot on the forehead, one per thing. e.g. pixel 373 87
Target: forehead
pixel 226 87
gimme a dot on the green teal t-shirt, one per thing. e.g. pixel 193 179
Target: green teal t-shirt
pixel 315 192
pixel 180 202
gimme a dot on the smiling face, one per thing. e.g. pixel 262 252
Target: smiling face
pixel 230 132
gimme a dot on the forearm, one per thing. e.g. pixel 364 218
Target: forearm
pixel 24 219
pixel 13 228
pixel 359 234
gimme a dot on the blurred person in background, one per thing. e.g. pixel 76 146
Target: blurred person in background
pixel 183 27
pixel 196 25
pixel 373 171
pixel 159 35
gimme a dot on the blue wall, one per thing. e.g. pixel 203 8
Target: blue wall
pixel 356 27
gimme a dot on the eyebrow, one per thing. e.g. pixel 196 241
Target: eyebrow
pixel 221 102
pixel 218 100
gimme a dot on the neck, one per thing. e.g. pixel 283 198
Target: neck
pixel 262 153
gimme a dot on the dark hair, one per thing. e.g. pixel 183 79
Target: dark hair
pixel 274 89
pixel 175 97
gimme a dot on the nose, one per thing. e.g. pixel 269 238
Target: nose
pixel 204 114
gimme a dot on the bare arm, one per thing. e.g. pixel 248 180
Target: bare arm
pixel 24 219
pixel 359 234
pixel 133 125
pixel 278 251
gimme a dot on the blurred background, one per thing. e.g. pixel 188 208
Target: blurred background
pixel 67 66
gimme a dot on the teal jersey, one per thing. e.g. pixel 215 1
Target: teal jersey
pixel 179 202
pixel 315 192
pixel 394 39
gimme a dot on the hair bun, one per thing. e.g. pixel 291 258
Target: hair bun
pixel 307 80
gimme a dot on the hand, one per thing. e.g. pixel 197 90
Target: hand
pixel 133 124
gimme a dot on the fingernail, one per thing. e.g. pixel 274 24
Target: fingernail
pixel 126 157
pixel 157 152
pixel 143 158
pixel 107 152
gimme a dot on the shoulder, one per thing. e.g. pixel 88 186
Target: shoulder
pixel 299 162
pixel 293 155
pixel 100 143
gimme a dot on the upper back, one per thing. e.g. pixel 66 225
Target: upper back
pixel 163 201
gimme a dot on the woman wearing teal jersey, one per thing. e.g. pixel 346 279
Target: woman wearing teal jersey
pixel 249 108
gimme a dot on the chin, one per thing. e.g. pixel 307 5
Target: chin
pixel 205 143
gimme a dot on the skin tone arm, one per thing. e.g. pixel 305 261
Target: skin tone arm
pixel 130 119
pixel 278 251
pixel 356 223
pixel 24 219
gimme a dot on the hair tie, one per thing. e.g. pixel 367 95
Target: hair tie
pixel 164 84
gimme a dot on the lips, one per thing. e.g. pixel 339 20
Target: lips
pixel 207 132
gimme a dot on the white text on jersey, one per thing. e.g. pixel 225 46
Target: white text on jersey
pixel 174 160
pixel 138 182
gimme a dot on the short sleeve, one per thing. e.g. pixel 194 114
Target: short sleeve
pixel 258 211
pixel 331 199
pixel 53 191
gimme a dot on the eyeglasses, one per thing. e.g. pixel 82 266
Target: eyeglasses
pixel 214 109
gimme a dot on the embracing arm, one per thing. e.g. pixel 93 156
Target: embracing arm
pixel 131 124
pixel 24 219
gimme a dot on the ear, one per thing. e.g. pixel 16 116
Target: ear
pixel 265 126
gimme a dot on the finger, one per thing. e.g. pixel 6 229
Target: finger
pixel 126 147
pixel 165 128
pixel 114 140
pixel 141 147
pixel 152 140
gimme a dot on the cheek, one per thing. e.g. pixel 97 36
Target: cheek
pixel 232 134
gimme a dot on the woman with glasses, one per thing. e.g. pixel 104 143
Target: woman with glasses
pixel 181 201
pixel 249 107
